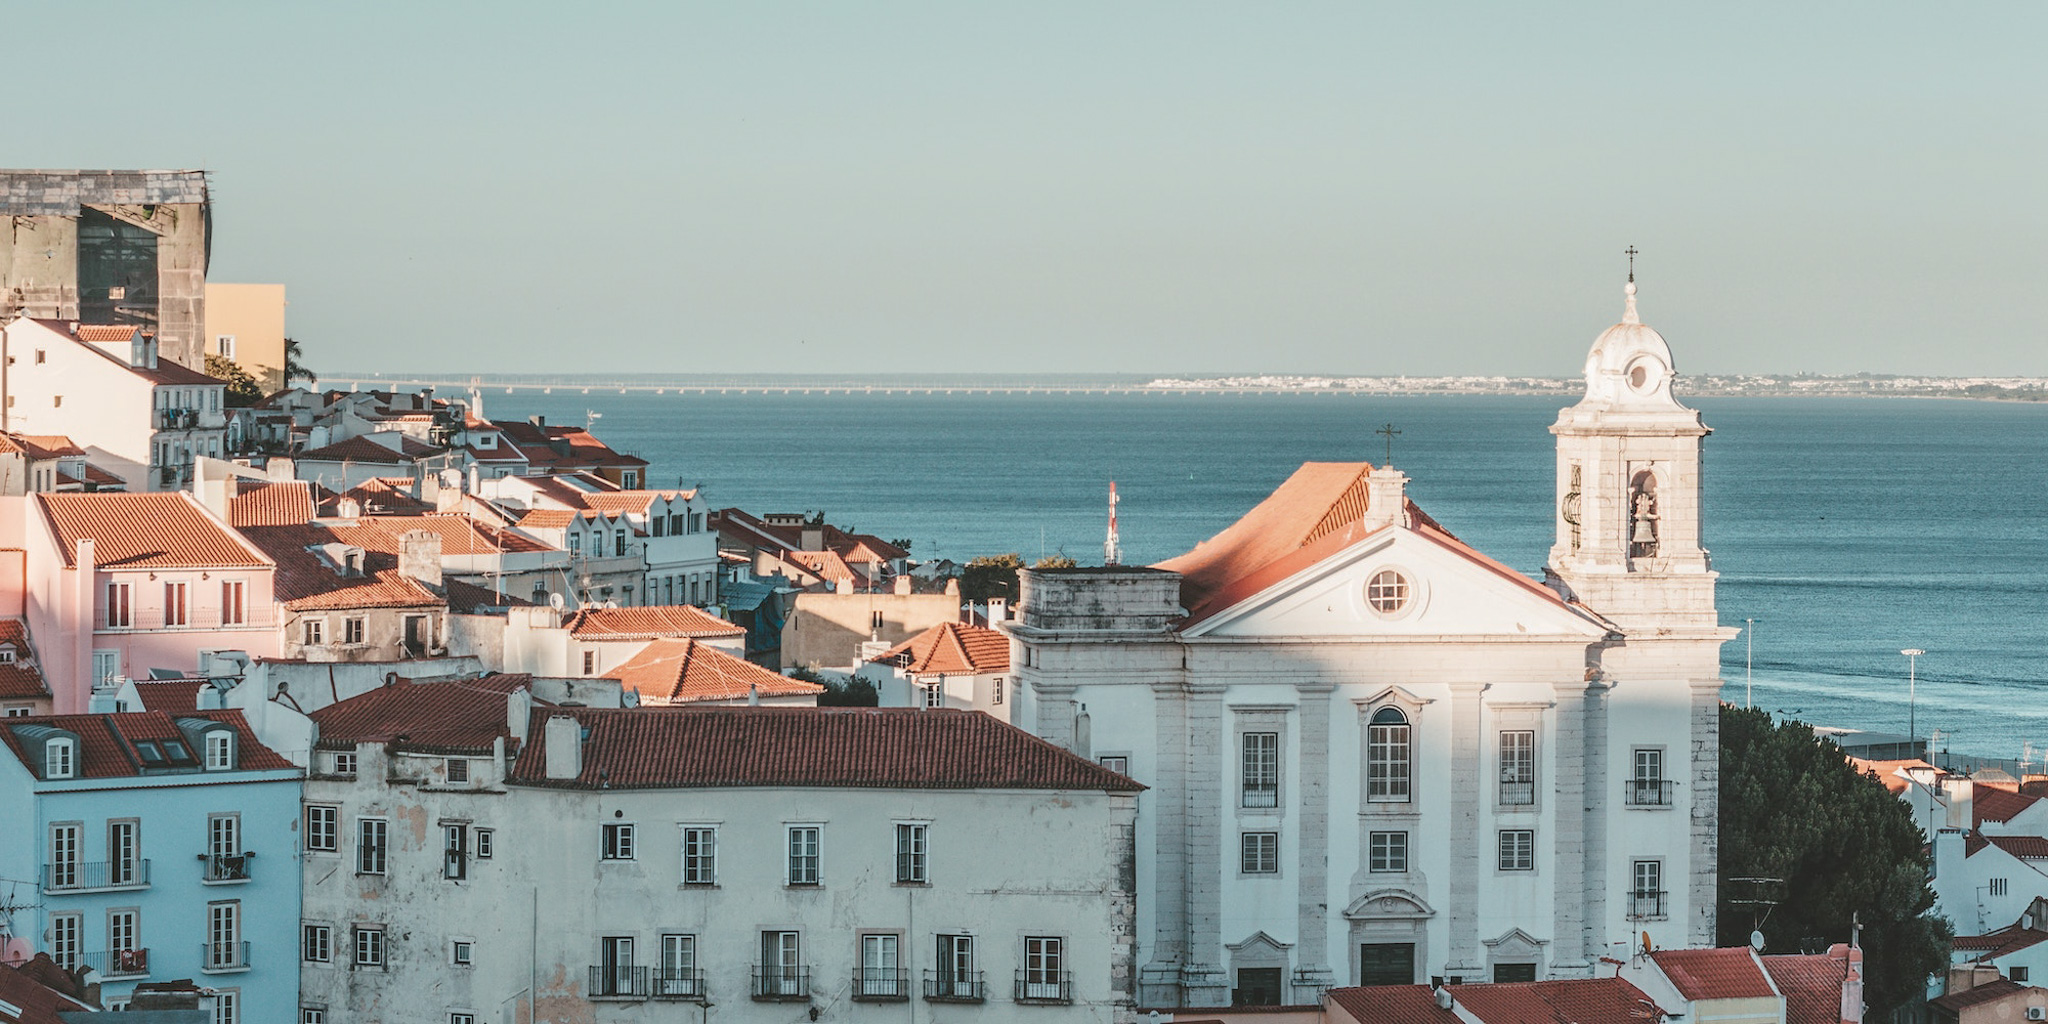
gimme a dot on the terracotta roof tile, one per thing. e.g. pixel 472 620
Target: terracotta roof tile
pixel 1988 803
pixel 362 449
pixel 49 446
pixel 101 478
pixel 106 333
pixel 1590 1001
pixel 380 496
pixel 631 501
pixel 858 548
pixel 20 678
pixel 271 503
pixel 549 518
pixel 175 696
pixel 107 741
pixel 649 622
pixel 865 748
pixel 1811 984
pixel 456 717
pixel 953 648
pixel 460 535
pixel 1728 973
pixel 1990 991
pixel 145 531
pixel 470 599
pixel 2023 847
pixel 686 671
pixel 306 582
pixel 1392 1004
pixel 41 990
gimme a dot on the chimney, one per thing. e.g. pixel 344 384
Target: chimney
pixel 901 586
pixel 419 556
pixel 1961 794
pixel 348 508
pixel 845 586
pixel 812 537
pixel 1385 502
pixel 998 611
pixel 518 713
pixel 564 738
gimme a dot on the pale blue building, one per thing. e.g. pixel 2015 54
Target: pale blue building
pixel 151 846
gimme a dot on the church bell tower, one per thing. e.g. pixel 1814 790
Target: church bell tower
pixel 1628 487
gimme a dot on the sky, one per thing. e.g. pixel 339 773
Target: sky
pixel 1131 187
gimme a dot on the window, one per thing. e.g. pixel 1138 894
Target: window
pixel 227 1006
pixel 224 935
pixel 67 939
pixel 1514 972
pixel 996 691
pixel 1044 974
pixel 935 694
pixel 1387 755
pixel 224 345
pixel 874 619
pixel 316 943
pixel 454 851
pixel 676 975
pixel 1259 769
pixel 878 962
pixel 1996 886
pixel 956 976
pixel 371 834
pixel 483 844
pixel 1117 763
pixel 462 953
pixel 174 604
pixel 619 542
pixel 782 967
pixel 124 941
pixel 911 860
pixel 1517 849
pixel 312 1015
pixel 1387 851
pixel 120 608
pixel 225 861
pixel 458 770
pixel 60 758
pixel 124 855
pixel 700 855
pixel 17 711
pixel 234 605
pixel 1387 592
pixel 575 545
pixel 344 763
pixel 589 663
pixel 1259 853
pixel 220 750
pixel 1647 898
pixel 1258 986
pixel 618 842
pixel 2018 974
pixel 352 630
pixel 369 947
pixel 315 632
pixel 803 854
pixel 462 1018
pixel 1517 767
pixel 65 855
pixel 1646 785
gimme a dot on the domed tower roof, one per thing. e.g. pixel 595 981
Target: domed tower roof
pixel 1630 366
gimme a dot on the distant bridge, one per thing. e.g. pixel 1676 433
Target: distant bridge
pixel 569 387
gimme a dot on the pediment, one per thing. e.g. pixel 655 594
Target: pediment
pixel 1514 943
pixel 1449 591
pixel 1259 944
pixel 1389 905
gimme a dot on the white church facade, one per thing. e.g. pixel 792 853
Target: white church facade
pixel 1376 755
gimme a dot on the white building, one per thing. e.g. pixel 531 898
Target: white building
pixel 1377 755
pixel 141 418
pixel 645 865
pixel 670 528
pixel 951 665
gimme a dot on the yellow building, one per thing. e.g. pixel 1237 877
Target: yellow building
pixel 245 322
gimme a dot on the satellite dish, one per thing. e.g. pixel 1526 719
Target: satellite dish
pixel 1756 941
pixel 1647 948
pixel 555 601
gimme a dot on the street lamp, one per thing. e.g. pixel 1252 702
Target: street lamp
pixel 1748 659
pixel 1912 686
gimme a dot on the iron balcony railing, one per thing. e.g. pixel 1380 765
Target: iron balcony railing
pixel 1646 905
pixel 1517 793
pixel 73 876
pixel 1047 987
pixel 1649 792
pixel 619 981
pixel 956 986
pixel 782 984
pixel 1257 794
pixel 118 963
pixel 676 983
pixel 880 984
pixel 215 957
pixel 226 867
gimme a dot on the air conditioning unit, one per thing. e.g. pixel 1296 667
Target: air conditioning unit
pixel 2037 1013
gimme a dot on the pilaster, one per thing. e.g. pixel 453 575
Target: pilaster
pixel 1206 760
pixel 1160 978
pixel 1703 879
pixel 1312 949
pixel 1568 836
pixel 1465 956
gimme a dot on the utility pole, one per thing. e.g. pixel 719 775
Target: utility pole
pixel 1912 693
pixel 1748 660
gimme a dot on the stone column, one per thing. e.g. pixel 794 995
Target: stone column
pixel 1207 761
pixel 1169 807
pixel 1602 802
pixel 1464 955
pixel 1312 949
pixel 1705 854
pixel 1568 749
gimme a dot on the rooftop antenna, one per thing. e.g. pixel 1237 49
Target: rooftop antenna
pixel 591 416
pixel 1112 550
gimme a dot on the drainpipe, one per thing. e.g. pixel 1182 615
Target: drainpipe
pixel 6 358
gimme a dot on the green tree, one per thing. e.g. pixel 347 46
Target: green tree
pixel 1055 562
pixel 991 576
pixel 295 368
pixel 243 390
pixel 851 692
pixel 1837 844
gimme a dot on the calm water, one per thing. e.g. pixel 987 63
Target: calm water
pixel 1849 528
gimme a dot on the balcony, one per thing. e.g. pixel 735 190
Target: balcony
pixel 616 981
pixel 223 957
pixel 1045 988
pixel 782 984
pixel 880 985
pixel 225 868
pixel 118 963
pixel 1517 793
pixel 95 876
pixel 1649 792
pixel 1259 795
pixel 1646 906
pixel 955 986
pixel 676 983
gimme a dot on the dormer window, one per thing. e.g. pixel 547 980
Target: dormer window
pixel 6 654
pixel 60 759
pixel 220 751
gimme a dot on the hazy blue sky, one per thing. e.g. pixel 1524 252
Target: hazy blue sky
pixel 1343 188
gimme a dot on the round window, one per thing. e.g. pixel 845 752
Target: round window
pixel 1387 591
pixel 1638 377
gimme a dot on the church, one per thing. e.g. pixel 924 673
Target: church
pixel 1377 756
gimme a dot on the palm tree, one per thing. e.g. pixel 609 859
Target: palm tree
pixel 295 370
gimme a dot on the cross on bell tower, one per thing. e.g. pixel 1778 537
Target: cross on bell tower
pixel 1390 434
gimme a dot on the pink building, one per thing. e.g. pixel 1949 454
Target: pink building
pixel 113 585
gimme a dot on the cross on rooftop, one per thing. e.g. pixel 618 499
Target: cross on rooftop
pixel 1631 262
pixel 1389 433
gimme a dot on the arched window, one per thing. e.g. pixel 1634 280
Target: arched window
pixel 60 759
pixel 1387 751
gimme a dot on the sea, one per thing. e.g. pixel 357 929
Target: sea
pixel 1845 530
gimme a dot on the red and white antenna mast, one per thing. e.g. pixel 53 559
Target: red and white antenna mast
pixel 1112 552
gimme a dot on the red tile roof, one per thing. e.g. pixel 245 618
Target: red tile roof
pixel 1811 984
pixel 20 678
pixel 1992 945
pixel 1727 973
pixel 1590 1001
pixel 2023 847
pixel 1392 1004
pixel 105 332
pixel 1985 993
pixel 101 478
pixel 380 496
pixel 146 531
pixel 107 741
pixel 685 671
pixel 41 990
pixel 307 582
pixel 861 748
pixel 49 446
pixel 176 696
pixel 458 717
pixel 631 501
pixel 470 599
pixel 953 648
pixel 858 548
pixel 271 503
pixel 362 449
pixel 460 535
pixel 649 623
pixel 561 449
pixel 1988 803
